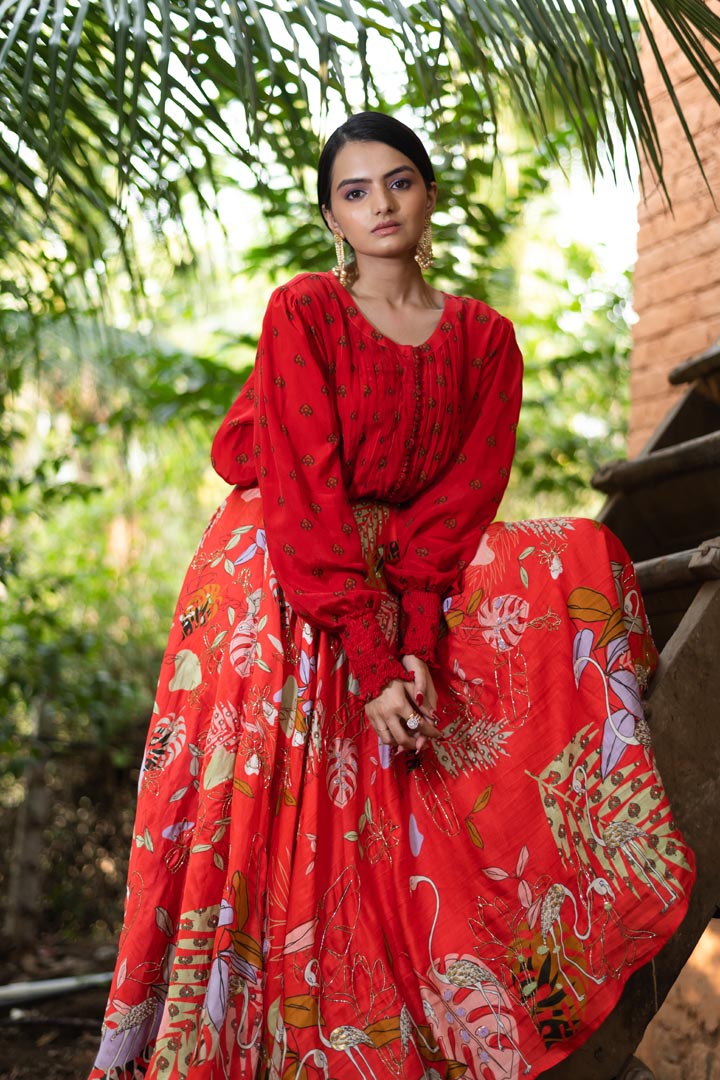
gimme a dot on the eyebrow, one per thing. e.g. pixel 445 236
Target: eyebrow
pixel 366 179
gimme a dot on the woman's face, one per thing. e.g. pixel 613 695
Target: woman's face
pixel 379 201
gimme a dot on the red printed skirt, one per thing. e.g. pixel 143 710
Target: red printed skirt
pixel 305 904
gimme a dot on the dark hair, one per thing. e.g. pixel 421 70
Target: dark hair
pixel 371 127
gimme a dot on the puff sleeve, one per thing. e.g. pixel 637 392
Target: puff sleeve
pixel 439 530
pixel 311 532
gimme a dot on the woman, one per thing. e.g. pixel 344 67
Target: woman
pixel 398 814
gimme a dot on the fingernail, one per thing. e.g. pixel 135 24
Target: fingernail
pixel 419 698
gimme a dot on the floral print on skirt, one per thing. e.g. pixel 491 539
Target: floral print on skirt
pixel 304 903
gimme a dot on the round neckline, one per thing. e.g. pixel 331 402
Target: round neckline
pixel 376 334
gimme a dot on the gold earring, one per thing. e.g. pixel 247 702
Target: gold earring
pixel 424 251
pixel 340 271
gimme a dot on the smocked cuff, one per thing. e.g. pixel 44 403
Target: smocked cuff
pixel 371 659
pixel 420 614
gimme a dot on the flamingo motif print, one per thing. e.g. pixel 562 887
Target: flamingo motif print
pixel 625 836
pixel 349 1039
pixel 550 911
pixel 471 975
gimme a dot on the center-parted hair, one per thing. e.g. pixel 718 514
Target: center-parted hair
pixel 371 127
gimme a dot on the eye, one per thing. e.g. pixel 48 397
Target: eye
pixel 353 194
pixel 402 182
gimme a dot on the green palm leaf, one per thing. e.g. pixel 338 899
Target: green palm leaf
pixel 113 104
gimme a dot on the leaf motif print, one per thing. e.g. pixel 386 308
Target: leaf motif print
pixel 454 618
pixel 504 620
pixel 625 686
pixel 244 556
pixel 614 628
pixel 245 947
pixel 188 674
pixel 164 922
pixel 338 914
pixel 243 643
pixel 582 647
pixel 474 601
pixel 474 833
pixel 437 800
pixel 288 703
pixel 165 743
pixel 300 937
pixel 342 769
pixel 385 1031
pixel 511 681
pixel 495 873
pixel 216 1000
pixel 589 605
pixel 482 800
pixel 615 652
pixel 300 1011
pixel 224 730
pixel 525 894
pixel 618 734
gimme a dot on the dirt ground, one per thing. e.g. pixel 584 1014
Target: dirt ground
pixel 56 1040
pixel 683 1041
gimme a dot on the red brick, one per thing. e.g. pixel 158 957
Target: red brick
pixel 685 182
pixel 678 250
pixel 683 341
pixel 677 276
pixel 690 217
pixel 674 287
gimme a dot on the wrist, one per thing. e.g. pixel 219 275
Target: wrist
pixel 371 657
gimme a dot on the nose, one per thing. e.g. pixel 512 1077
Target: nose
pixel 383 201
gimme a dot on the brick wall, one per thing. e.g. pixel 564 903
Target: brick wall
pixel 677 276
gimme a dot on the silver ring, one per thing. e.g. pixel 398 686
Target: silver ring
pixel 413 721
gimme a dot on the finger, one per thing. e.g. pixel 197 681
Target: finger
pixel 427 727
pixel 383 733
pixel 425 730
pixel 423 702
pixel 420 685
pixel 430 699
pixel 400 733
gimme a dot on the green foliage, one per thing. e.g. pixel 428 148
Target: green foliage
pixel 577 359
pixel 110 111
pixel 98 491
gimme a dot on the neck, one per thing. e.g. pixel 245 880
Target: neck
pixel 395 281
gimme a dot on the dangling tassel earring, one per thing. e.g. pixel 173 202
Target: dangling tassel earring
pixel 340 271
pixel 424 251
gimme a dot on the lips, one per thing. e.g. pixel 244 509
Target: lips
pixel 386 226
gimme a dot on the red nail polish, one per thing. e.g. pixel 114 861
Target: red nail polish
pixel 419 698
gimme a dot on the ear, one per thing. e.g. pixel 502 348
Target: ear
pixel 330 219
pixel 432 194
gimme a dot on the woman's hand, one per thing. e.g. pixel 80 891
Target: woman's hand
pixel 389 711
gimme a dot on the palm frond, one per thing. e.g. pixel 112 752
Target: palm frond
pixel 120 103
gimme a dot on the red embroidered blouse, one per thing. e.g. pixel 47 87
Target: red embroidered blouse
pixel 335 412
